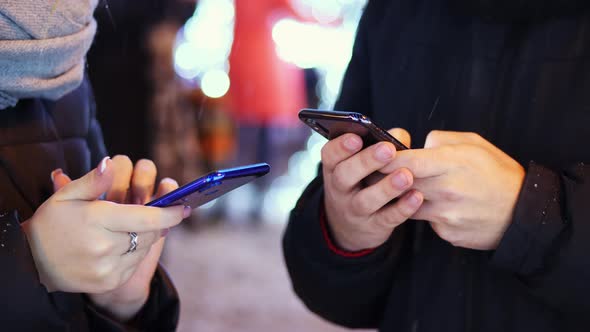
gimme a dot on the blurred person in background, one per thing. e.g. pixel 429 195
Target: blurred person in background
pixel 83 258
pixel 485 225
pixel 265 92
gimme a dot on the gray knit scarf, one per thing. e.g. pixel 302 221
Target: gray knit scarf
pixel 43 44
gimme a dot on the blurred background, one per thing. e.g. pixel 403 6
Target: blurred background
pixel 209 84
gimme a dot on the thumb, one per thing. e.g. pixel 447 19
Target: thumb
pixel 402 135
pixel 91 186
pixel 59 179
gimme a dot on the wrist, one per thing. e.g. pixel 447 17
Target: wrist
pixel 345 243
pixel 120 309
pixel 517 185
pixel 39 263
pixel 339 246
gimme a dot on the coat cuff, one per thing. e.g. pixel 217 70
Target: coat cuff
pixel 536 222
pixel 332 244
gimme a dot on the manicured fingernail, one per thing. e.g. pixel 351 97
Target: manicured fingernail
pixel 401 180
pixel 55 173
pixel 187 211
pixel 353 143
pixel 384 153
pixel 165 232
pixel 102 167
pixel 415 199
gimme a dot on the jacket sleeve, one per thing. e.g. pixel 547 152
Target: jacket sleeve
pixel 25 304
pixel 347 291
pixel 548 243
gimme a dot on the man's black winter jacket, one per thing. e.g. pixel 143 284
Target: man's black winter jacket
pixel 424 65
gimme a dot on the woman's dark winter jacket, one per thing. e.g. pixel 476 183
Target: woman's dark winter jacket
pixel 36 137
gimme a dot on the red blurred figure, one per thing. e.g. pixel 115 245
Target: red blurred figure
pixel 264 89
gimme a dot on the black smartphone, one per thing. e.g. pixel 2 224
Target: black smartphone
pixel 332 124
pixel 211 186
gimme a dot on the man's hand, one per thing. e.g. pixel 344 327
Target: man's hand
pixel 470 187
pixel 358 207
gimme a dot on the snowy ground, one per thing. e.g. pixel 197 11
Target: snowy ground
pixel 232 278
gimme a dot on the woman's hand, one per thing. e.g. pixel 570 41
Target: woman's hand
pixel 79 243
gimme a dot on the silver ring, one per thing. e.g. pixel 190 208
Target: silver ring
pixel 133 244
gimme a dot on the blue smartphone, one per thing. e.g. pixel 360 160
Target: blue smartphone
pixel 211 186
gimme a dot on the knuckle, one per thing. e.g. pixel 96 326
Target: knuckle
pixel 360 206
pixel 443 218
pixel 445 233
pixel 93 212
pixel 339 178
pixel 452 219
pixel 326 154
pixel 450 195
pixel 454 238
pixel 471 152
pixel 396 215
pixel 446 151
pixel 472 136
pixel 405 211
pixel 436 228
pixel 102 272
pixel 101 249
pixel 393 218
pixel 387 189
pixel 111 282
pixel 433 138
pixel 365 162
pixel 448 234
pixel 420 164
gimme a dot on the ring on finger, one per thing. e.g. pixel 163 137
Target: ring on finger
pixel 133 242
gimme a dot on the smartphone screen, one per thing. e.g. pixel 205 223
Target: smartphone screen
pixel 211 186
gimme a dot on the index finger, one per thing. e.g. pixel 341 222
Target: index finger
pixel 140 218
pixel 340 149
pixel 422 163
